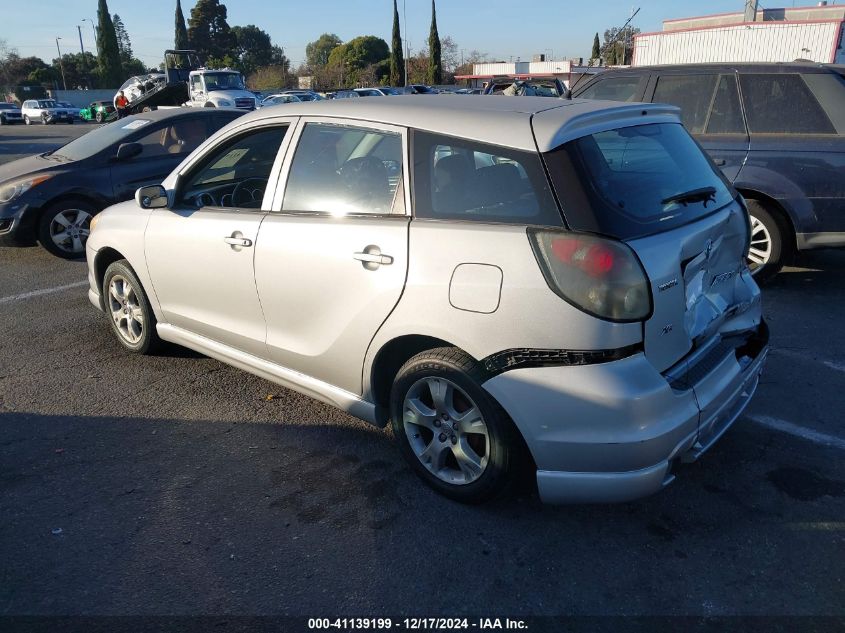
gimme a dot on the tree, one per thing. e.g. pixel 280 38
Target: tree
pixel 123 43
pixel 253 48
pixel 271 77
pixel 209 32
pixel 15 69
pixel 449 54
pixel 435 66
pixel 397 57
pixel 596 49
pixel 180 39
pixel 619 45
pixel 352 62
pixel 77 70
pixel 110 68
pixel 317 52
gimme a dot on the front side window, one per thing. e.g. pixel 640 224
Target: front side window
pixel 345 170
pixel 635 181
pixel 626 88
pixel 236 172
pixel 782 104
pixel 460 179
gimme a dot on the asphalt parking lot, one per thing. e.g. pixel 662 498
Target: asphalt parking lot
pixel 177 485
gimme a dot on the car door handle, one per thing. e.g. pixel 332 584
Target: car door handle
pixel 237 241
pixel 372 258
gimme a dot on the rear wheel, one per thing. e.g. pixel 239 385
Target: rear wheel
pixel 770 246
pixel 453 433
pixel 128 309
pixel 64 228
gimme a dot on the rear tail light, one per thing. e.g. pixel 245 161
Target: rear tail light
pixel 599 276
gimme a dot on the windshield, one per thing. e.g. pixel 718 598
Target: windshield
pixel 97 140
pixel 635 181
pixel 223 81
pixel 310 96
pixel 47 103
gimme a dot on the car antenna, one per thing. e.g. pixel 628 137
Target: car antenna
pixel 603 51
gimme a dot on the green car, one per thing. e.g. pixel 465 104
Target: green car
pixel 98 111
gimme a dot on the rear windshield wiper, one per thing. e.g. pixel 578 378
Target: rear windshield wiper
pixel 704 194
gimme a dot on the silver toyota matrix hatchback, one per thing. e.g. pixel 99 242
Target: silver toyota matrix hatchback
pixel 498 279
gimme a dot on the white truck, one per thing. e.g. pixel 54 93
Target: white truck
pixel 186 83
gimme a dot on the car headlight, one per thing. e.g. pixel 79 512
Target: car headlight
pixel 16 188
pixel 93 223
pixel 223 102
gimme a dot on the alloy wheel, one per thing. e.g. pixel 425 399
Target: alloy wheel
pixel 125 308
pixel 446 430
pixel 69 230
pixel 760 251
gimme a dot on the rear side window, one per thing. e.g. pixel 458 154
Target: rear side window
pixel 459 179
pixel 627 88
pixel 709 103
pixel 635 181
pixel 782 104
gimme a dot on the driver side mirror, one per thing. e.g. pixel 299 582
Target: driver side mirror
pixel 151 197
pixel 128 150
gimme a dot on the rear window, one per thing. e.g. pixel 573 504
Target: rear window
pixel 630 182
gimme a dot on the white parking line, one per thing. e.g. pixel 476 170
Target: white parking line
pixel 838 366
pixel 45 291
pixel 799 431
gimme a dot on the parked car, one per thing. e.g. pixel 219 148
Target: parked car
pixel 346 94
pixel 51 197
pixel 10 113
pixel 71 109
pixel 777 131
pixel 303 95
pixel 44 111
pixel 276 99
pixel 97 111
pixel 420 89
pixel 384 91
pixel 407 260
pixel 525 87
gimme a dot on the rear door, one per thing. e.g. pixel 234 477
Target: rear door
pixel 711 111
pixel 331 260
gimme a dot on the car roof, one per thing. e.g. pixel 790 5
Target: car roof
pixel 177 113
pixel 502 121
pixel 741 67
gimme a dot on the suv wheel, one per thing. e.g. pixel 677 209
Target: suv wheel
pixel 128 309
pixel 26 119
pixel 452 432
pixel 769 249
pixel 64 228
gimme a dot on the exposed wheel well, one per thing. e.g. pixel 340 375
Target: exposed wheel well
pixel 391 357
pixel 105 258
pixel 776 209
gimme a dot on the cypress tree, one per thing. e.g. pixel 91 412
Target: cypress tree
pixel 397 57
pixel 181 38
pixel 111 70
pixel 596 48
pixel 435 65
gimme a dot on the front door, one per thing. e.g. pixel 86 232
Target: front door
pixel 330 265
pixel 200 252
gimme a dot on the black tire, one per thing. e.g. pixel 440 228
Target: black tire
pixel 149 340
pixel 208 104
pixel 504 447
pixel 26 120
pixel 780 251
pixel 47 228
pixel 2 120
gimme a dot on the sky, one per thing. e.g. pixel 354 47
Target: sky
pixel 504 29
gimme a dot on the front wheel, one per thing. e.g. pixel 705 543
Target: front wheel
pixel 26 120
pixel 64 228
pixel 98 117
pixel 128 309
pixel 770 248
pixel 453 433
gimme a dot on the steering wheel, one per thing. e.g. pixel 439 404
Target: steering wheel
pixel 238 190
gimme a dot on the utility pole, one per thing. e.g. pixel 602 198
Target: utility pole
pixel 61 65
pixel 407 41
pixel 83 65
pixel 93 28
